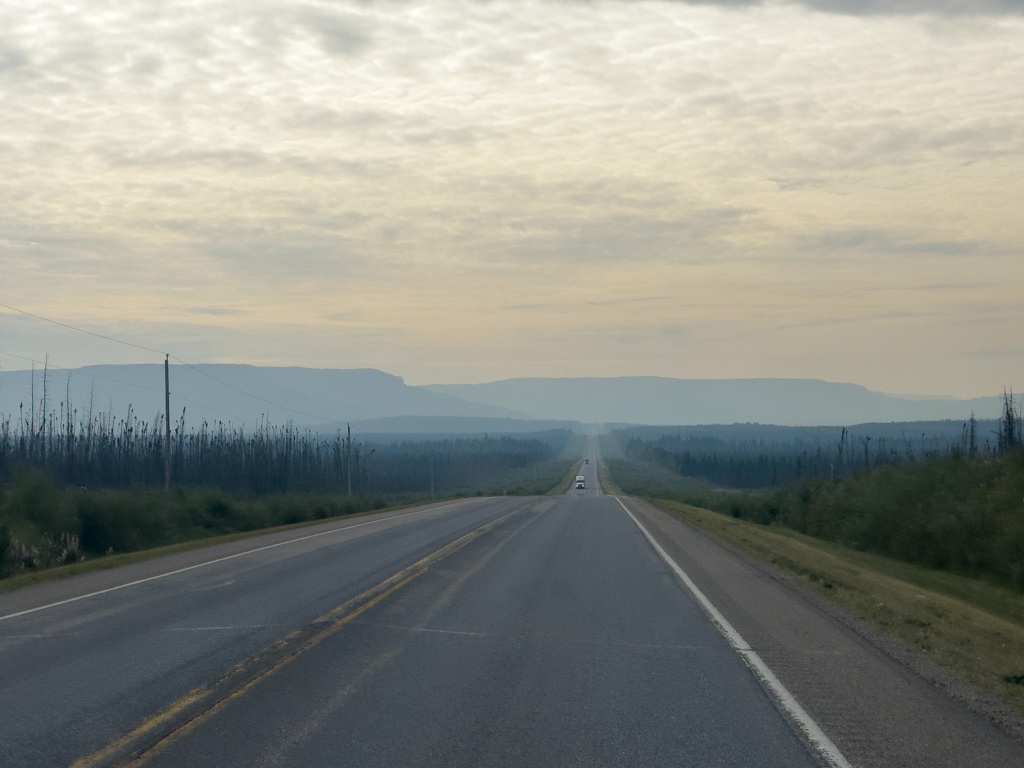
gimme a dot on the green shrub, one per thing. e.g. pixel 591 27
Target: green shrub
pixel 949 512
pixel 42 525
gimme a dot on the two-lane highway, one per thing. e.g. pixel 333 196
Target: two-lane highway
pixel 550 631
pixel 588 468
pixel 78 668
pixel 553 636
pixel 557 638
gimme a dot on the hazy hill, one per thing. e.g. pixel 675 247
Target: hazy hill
pixel 915 437
pixel 458 425
pixel 326 398
pixel 656 400
pixel 217 392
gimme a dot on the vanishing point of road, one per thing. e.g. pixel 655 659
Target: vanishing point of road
pixel 577 630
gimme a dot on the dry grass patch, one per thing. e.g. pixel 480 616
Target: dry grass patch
pixel 604 479
pixel 972 627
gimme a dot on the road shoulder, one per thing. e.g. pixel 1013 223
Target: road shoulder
pixel 880 706
pixel 73 586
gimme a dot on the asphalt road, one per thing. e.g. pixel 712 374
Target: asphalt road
pixel 75 676
pixel 486 632
pixel 554 637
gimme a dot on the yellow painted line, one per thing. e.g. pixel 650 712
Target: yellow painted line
pixel 339 529
pixel 188 710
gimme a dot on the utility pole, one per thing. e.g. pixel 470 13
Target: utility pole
pixel 973 438
pixel 167 423
pixel 431 475
pixel 46 367
pixel 348 459
pixel 32 397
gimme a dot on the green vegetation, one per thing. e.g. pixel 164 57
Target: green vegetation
pixel 604 477
pixel 763 455
pixel 970 626
pixel 44 525
pixel 102 451
pixel 34 575
pixel 960 509
pixel 534 480
pixel 643 478
pixel 945 512
pixel 524 464
pixel 929 549
pixel 75 486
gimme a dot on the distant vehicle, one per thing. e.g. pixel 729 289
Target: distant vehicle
pixel 586 461
pixel 580 481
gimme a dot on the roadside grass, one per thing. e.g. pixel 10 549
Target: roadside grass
pixel 643 478
pixel 534 480
pixel 949 512
pixel 604 479
pixel 101 562
pixel 49 532
pixel 971 626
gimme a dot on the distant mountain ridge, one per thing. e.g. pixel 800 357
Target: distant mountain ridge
pixel 326 398
pixel 658 400
pixel 239 394
pixel 465 425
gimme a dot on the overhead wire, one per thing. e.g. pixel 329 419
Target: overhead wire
pixel 256 397
pixel 78 372
pixel 82 330
pixel 175 357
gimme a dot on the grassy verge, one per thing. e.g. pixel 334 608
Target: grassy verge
pixel 947 512
pixel 102 562
pixel 642 478
pixel 971 626
pixel 49 532
pixel 535 480
pixel 604 479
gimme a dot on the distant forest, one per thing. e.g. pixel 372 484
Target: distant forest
pixel 104 451
pixel 760 455
pixel 84 488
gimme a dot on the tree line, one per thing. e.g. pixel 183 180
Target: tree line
pixel 753 463
pixel 101 450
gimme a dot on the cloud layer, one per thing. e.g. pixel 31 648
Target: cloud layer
pixel 483 189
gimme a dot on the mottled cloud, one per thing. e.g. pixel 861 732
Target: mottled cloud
pixel 942 7
pixel 891 7
pixel 215 311
pixel 476 183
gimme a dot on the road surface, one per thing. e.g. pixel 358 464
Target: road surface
pixel 483 632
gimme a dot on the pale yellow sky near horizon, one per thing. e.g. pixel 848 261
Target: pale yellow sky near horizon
pixel 466 191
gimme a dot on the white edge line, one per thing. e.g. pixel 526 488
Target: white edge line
pixel 784 699
pixel 221 560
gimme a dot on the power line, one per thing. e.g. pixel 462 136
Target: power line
pixel 256 397
pixel 160 352
pixel 72 371
pixel 79 373
pixel 82 330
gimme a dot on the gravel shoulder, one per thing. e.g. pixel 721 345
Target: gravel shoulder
pixel 882 704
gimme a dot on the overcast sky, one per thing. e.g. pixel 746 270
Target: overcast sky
pixel 465 191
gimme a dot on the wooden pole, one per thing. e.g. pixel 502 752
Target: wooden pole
pixel 348 459
pixel 167 423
